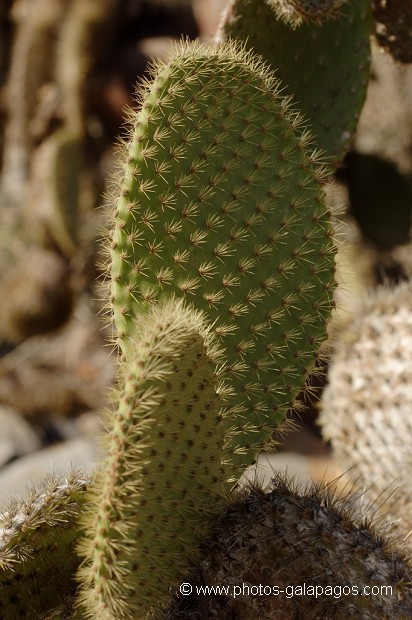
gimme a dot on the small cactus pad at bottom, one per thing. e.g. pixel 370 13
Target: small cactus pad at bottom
pixel 164 478
pixel 37 557
pixel 222 204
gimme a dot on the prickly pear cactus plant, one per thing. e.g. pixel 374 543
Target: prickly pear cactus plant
pixel 221 284
pixel 324 67
pixel 222 204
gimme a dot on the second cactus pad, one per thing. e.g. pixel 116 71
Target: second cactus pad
pixel 222 204
pixel 325 67
pixel 164 480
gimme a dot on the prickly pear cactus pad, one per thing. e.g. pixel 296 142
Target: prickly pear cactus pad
pixel 222 204
pixel 325 67
pixel 37 558
pixel 164 479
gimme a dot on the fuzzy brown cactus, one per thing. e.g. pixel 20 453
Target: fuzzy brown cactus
pixel 296 554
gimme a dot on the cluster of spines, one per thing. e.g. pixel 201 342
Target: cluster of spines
pixel 296 12
pixel 222 204
pixel 167 467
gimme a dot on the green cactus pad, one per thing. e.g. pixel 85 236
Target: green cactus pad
pixel 325 68
pixel 37 558
pixel 164 479
pixel 222 204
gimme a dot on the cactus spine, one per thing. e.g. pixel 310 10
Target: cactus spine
pixel 222 204
pixel 164 478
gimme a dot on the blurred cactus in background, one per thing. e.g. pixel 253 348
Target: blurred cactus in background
pixel 366 404
pixel 248 242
